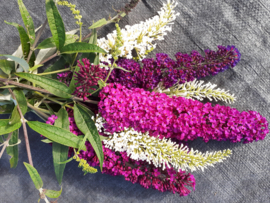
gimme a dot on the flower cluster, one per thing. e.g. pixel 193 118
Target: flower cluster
pixel 140 37
pixel 118 163
pixel 161 153
pixel 177 117
pixel 168 71
pixel 75 12
pixel 147 175
pixel 87 77
pixel 65 77
pixel 84 165
pixel 196 90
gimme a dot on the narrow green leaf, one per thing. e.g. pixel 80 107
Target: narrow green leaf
pixel 81 47
pixel 99 23
pixel 20 61
pixel 56 24
pixel 72 85
pixel 34 176
pixel 56 134
pixel 13 151
pixel 24 38
pixel 49 108
pixel 5 127
pixel 36 67
pixel 93 57
pixel 6 109
pixel 118 67
pixel 87 126
pixel 21 100
pixel 53 194
pixel 55 87
pixel 47 141
pixel 93 37
pixel 7 66
pixel 58 65
pixel 49 42
pixel 28 21
pixel 67 161
pixel 101 84
pixel 60 152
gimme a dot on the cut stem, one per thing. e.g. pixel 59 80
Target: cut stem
pixel 24 130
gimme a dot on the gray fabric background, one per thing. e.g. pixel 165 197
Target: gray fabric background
pixel 204 24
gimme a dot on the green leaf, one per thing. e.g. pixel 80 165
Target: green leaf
pixel 87 126
pixel 21 100
pixel 99 23
pixel 67 161
pixel 22 62
pixel 81 47
pixel 13 151
pixel 72 85
pixel 7 66
pixel 53 194
pixel 101 84
pixel 35 67
pixel 24 38
pixel 118 67
pixel 53 86
pixel 56 134
pixel 49 108
pixel 47 141
pixel 93 57
pixel 58 65
pixel 28 21
pixel 56 24
pixel 5 127
pixel 34 175
pixel 49 42
pixel 93 37
pixel 60 152
pixel 6 109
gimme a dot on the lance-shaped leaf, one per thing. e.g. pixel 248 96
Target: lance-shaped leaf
pixel 56 24
pixel 28 21
pixel 13 150
pixel 60 152
pixel 87 126
pixel 53 194
pixel 24 38
pixel 53 86
pixel 99 23
pixel 21 100
pixel 72 85
pixel 7 66
pixel 20 61
pixel 49 42
pixel 56 134
pixel 5 127
pixel 93 57
pixel 34 176
pixel 81 47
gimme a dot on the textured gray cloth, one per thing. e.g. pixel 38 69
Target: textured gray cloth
pixel 244 177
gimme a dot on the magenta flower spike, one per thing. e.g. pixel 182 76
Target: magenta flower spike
pixel 177 117
pixel 147 175
pixel 186 68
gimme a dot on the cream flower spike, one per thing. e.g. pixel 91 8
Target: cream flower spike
pixel 141 36
pixel 160 152
pixel 197 90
